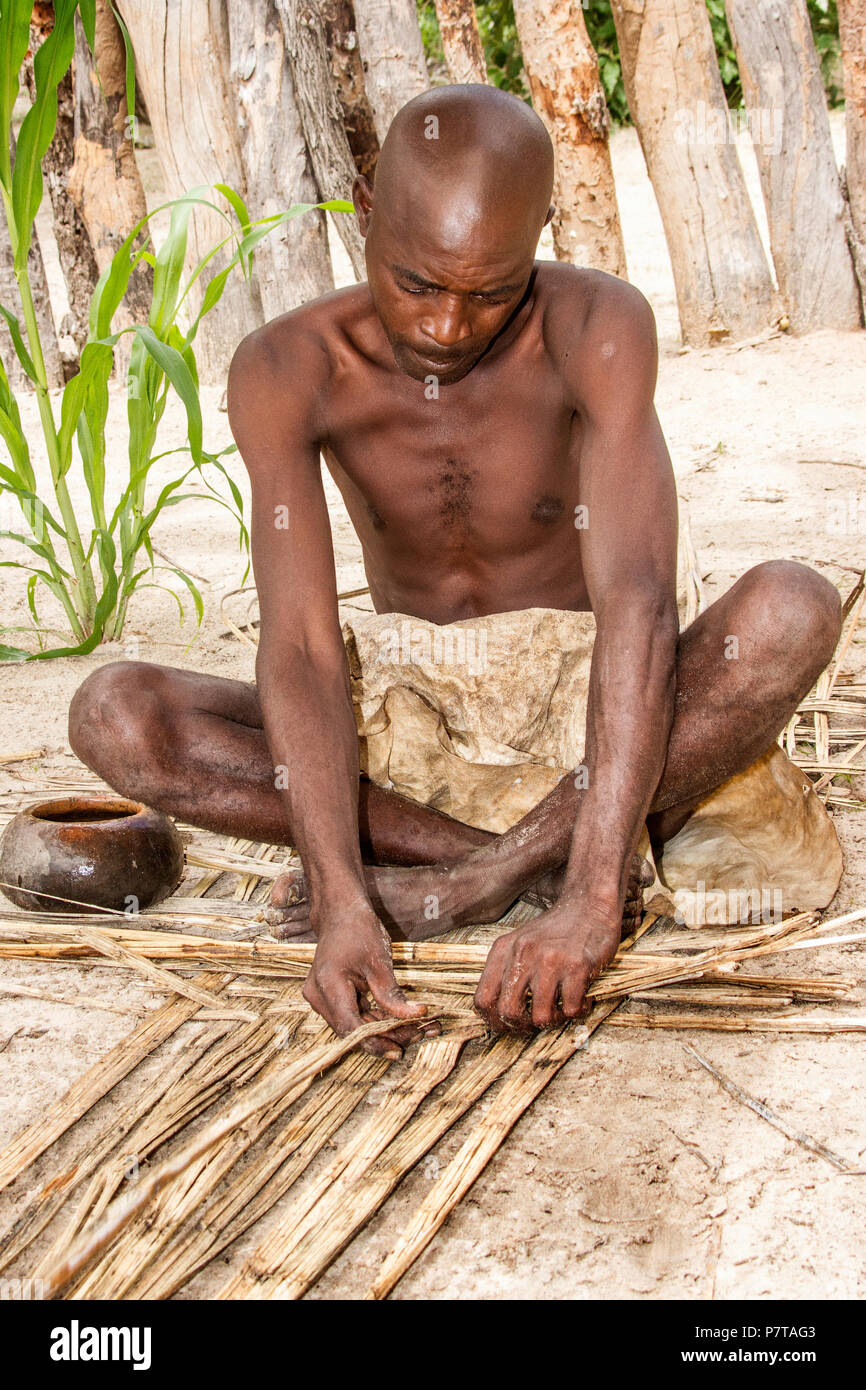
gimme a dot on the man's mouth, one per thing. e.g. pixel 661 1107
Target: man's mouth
pixel 440 364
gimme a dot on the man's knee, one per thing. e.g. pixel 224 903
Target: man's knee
pixel 116 710
pixel 798 609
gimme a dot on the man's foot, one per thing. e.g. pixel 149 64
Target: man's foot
pixel 418 903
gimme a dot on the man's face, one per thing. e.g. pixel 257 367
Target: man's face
pixel 445 286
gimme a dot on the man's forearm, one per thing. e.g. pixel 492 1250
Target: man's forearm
pixel 310 730
pixel 629 715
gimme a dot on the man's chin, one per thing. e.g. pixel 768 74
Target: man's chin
pixel 415 366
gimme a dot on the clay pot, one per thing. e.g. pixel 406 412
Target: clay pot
pixel 89 849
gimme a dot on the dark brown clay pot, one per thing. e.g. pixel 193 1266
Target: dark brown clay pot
pixel 89 849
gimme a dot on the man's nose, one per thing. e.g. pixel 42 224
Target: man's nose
pixel 447 324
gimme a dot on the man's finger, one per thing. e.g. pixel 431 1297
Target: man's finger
pixel 338 1007
pixel 388 994
pixel 545 1006
pixel 403 1036
pixel 490 983
pixel 573 992
pixel 512 1006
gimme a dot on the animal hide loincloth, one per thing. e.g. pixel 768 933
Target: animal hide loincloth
pixel 481 718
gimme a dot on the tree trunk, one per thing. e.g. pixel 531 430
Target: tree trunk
pixel 784 94
pixel 852 32
pixel 347 74
pixel 562 69
pixel 181 60
pixel 292 263
pixel 723 284
pixel 393 55
pixel 319 109
pixel 104 183
pixel 464 55
pixel 74 249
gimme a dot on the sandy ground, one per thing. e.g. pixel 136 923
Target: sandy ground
pixel 633 1175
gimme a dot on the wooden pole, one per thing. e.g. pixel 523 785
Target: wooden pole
pixel 784 95
pixel 320 114
pixel 74 249
pixel 347 74
pixel 852 34
pixel 677 101
pixel 461 40
pixel 292 264
pixel 562 69
pixel 393 55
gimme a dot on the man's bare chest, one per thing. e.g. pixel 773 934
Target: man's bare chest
pixel 479 461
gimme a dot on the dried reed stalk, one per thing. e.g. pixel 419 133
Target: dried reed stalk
pixel 760 1108
pixel 321 1207
pixel 255 1190
pixel 45 1202
pixel 97 1081
pixel 232 1060
pixel 809 1024
pixel 118 1267
pixel 296 1078
pixel 164 978
pixel 527 1078
pixel 259 1277
pixel 74 1001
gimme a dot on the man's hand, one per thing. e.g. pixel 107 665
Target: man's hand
pixel 352 960
pixel 538 975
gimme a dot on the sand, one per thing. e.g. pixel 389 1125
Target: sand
pixel 634 1175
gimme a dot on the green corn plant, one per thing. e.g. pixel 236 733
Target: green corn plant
pixel 93 565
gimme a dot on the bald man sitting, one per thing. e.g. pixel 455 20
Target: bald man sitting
pixel 489 422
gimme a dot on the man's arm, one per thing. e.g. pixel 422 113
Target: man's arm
pixel 628 552
pixel 276 383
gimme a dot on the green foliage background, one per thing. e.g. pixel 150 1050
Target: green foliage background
pixel 505 63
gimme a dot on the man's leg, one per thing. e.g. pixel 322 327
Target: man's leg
pixel 743 667
pixel 193 746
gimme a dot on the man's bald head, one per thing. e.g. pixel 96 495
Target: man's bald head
pixel 467 151
pixel 462 191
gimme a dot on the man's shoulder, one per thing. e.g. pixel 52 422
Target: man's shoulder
pixel 600 332
pixel 303 339
pixel 577 301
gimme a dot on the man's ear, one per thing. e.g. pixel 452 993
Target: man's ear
pixel 550 211
pixel 362 197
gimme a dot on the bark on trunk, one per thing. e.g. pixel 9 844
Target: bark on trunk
pixel 393 55
pixel 562 69
pixel 74 249
pixel 464 55
pixel 347 74
pixel 852 32
pixel 676 98
pixel 181 59
pixel 10 299
pixel 319 109
pixel 784 95
pixel 292 263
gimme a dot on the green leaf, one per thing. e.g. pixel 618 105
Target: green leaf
pixel 18 343
pixel 16 443
pixel 87 10
pixel 50 63
pixel 14 42
pixel 178 373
